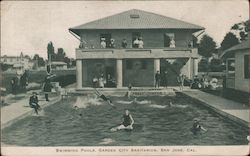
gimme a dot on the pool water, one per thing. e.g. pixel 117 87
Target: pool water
pixel 61 124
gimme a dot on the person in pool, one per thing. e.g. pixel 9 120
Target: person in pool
pixel 127 122
pixel 176 105
pixel 197 128
pixel 103 97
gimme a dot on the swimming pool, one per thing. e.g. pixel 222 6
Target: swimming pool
pixel 61 124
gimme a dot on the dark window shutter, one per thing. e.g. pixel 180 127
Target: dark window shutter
pixel 247 66
pixel 129 64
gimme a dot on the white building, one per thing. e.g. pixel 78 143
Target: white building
pixel 238 66
pixel 57 65
pixel 17 61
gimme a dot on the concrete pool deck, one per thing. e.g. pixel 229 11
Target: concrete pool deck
pixel 20 109
pixel 237 112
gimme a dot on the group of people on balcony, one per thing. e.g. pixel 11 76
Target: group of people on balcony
pixel 137 43
pixel 105 44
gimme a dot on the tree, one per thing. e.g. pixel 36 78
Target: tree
pixel 215 65
pixel 38 60
pixel 50 51
pixel 203 65
pixel 67 60
pixel 229 40
pixel 5 67
pixel 207 46
pixel 60 56
pixel 27 56
pixel 241 29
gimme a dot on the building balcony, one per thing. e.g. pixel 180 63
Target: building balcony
pixel 136 53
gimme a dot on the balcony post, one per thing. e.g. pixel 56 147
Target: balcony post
pixel 195 66
pixel 119 73
pixel 78 74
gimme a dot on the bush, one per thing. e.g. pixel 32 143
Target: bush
pixel 65 80
pixel 215 65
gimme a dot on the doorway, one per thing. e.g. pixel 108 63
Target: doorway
pixel 110 76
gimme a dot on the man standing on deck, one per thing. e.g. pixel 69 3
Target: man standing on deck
pixel 157 79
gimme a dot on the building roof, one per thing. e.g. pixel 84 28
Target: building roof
pixel 16 65
pixel 136 19
pixel 58 63
pixel 243 45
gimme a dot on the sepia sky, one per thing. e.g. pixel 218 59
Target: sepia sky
pixel 28 26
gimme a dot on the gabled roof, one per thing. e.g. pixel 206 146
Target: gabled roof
pixel 241 46
pixel 136 19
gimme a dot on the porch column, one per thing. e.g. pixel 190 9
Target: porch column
pixel 78 74
pixel 189 64
pixel 156 65
pixel 119 73
pixel 195 66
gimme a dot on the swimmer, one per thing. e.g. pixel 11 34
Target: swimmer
pixel 127 122
pixel 176 105
pixel 135 102
pixel 125 102
pixel 104 97
pixel 76 107
pixel 141 102
pixel 197 128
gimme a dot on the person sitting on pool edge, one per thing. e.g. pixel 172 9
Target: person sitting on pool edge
pixel 33 102
pixel 196 129
pixel 127 122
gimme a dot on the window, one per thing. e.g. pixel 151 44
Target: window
pixel 247 66
pixel 134 16
pixel 129 64
pixel 230 67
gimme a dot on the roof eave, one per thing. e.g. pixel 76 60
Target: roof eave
pixel 82 29
pixel 231 51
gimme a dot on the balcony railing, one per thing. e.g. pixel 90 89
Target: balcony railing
pixel 136 53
